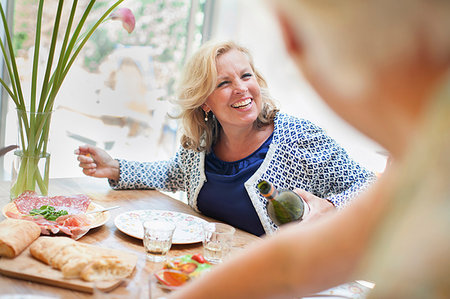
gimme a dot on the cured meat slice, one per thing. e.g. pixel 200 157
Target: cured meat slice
pixel 74 204
pixel 29 200
pixel 75 225
pixel 73 220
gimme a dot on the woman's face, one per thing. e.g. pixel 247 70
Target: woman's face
pixel 236 101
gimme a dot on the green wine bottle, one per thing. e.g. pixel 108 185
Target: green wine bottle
pixel 283 206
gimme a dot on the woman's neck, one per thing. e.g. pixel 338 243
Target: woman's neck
pixel 235 144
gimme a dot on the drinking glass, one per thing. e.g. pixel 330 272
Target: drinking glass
pixel 217 241
pixel 158 239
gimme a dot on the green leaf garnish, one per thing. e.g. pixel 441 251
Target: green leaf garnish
pixel 48 212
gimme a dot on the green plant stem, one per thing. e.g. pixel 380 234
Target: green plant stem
pixel 28 174
pixel 37 43
pixel 60 64
pixel 57 79
pixel 34 127
pixel 52 51
pixel 14 74
pixel 67 63
pixel 13 92
pixel 10 92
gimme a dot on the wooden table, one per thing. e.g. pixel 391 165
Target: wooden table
pixel 108 235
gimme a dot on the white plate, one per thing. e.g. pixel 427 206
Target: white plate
pixel 351 290
pixel 97 219
pixel 189 228
pixel 26 296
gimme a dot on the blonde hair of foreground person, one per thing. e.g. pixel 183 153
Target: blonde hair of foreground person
pixel 197 82
pixel 384 66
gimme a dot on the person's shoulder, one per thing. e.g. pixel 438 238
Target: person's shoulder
pixel 291 128
pixel 189 155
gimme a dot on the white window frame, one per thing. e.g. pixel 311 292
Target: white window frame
pixel 8 6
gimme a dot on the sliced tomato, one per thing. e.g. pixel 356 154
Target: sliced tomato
pixel 171 278
pixel 171 265
pixel 198 258
pixel 188 267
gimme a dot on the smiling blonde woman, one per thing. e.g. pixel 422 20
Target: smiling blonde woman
pixel 233 137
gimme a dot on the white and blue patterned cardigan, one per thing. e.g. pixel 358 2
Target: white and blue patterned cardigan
pixel 301 155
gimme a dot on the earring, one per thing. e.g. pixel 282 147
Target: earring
pixel 206 116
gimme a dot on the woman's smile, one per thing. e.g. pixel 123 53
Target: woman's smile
pixel 243 104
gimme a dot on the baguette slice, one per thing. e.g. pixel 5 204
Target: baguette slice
pixel 45 248
pixel 107 268
pixel 16 235
pixel 78 260
pixel 73 268
pixel 70 252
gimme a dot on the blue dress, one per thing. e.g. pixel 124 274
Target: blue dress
pixel 224 196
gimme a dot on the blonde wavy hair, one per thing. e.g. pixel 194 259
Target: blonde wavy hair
pixel 198 81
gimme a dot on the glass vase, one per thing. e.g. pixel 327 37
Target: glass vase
pixel 31 163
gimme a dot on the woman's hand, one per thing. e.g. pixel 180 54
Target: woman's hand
pixel 318 207
pixel 97 163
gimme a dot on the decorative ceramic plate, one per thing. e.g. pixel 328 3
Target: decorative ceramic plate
pixel 97 219
pixel 26 296
pixel 353 290
pixel 189 228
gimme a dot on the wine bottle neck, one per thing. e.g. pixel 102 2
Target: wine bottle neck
pixel 272 194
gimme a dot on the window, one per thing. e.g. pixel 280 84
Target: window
pixel 116 95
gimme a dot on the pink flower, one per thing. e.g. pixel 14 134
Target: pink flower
pixel 126 16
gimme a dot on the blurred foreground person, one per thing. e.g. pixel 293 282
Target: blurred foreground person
pixel 384 66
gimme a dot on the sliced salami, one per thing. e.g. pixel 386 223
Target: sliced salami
pixel 73 204
pixel 29 200
pixel 74 225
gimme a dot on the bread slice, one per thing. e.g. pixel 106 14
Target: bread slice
pixel 45 248
pixel 78 260
pixel 16 235
pixel 70 252
pixel 73 268
pixel 107 268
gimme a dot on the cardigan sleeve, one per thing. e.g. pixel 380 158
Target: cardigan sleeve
pixel 338 177
pixel 162 175
pixel 351 180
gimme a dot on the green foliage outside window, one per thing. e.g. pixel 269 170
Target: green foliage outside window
pixel 161 24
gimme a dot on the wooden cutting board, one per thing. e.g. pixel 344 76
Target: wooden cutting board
pixel 28 268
